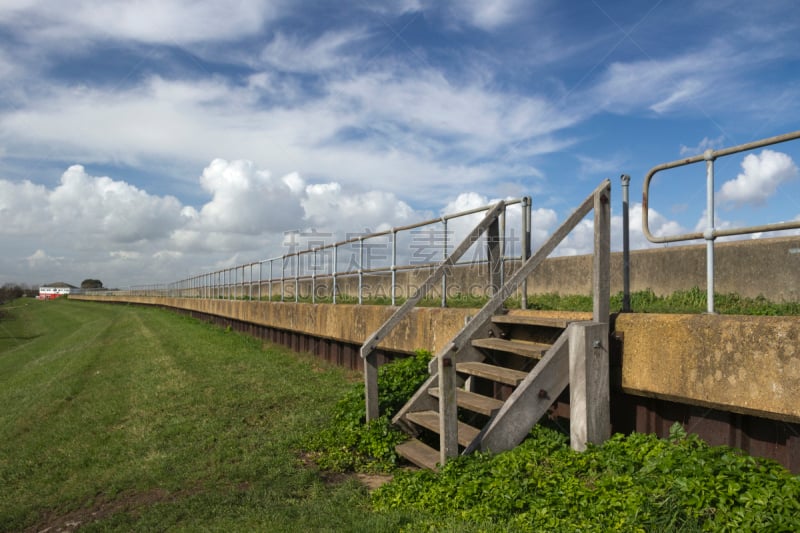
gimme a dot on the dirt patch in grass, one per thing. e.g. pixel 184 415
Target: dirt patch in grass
pixel 370 481
pixel 103 508
pixel 373 481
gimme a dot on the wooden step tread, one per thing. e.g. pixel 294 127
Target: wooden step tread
pixel 523 348
pixel 495 373
pixel 430 420
pixel 419 453
pixel 523 320
pixel 477 403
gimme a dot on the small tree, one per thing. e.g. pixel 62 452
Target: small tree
pixel 91 284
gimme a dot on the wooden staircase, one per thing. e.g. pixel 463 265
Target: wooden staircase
pixel 497 377
pixel 514 346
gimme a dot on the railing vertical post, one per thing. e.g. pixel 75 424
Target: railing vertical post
pixel 270 279
pixel 602 256
pixel 335 267
pixel 297 278
pixel 314 277
pixel 394 266
pixel 444 258
pixel 709 233
pixel 360 270
pixel 626 247
pixel 260 263
pixel 283 276
pixel 526 246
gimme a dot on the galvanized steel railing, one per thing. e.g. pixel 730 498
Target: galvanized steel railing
pixel 711 233
pixel 271 278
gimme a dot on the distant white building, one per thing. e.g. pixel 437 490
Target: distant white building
pixel 54 290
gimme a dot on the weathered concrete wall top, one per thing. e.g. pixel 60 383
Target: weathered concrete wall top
pixel 745 364
pixel 426 327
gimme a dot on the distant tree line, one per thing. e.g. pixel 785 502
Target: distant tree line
pixel 91 284
pixel 12 291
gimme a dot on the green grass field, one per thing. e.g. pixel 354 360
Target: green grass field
pixel 127 418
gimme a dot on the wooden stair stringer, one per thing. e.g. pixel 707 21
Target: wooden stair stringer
pixel 529 401
pixel 419 401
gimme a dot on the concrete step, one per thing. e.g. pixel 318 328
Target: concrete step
pixel 522 320
pixel 430 420
pixel 492 372
pixel 419 453
pixel 534 350
pixel 477 403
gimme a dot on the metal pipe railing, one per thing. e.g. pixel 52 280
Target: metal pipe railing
pixel 626 246
pixel 237 281
pixel 711 233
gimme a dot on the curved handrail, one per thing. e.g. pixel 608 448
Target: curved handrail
pixel 711 155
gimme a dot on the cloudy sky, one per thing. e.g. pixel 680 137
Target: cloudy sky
pixel 145 141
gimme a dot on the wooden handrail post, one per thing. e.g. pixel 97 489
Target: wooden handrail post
pixel 601 282
pixel 494 258
pixel 448 409
pixel 371 385
pixel 589 394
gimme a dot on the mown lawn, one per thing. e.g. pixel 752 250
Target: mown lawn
pixel 127 418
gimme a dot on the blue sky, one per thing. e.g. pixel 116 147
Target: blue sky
pixel 145 141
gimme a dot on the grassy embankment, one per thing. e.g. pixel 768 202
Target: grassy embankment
pixel 118 417
pixel 124 418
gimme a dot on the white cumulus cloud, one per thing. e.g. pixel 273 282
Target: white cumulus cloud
pixel 246 199
pixel 84 208
pixel 327 205
pixel 761 176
